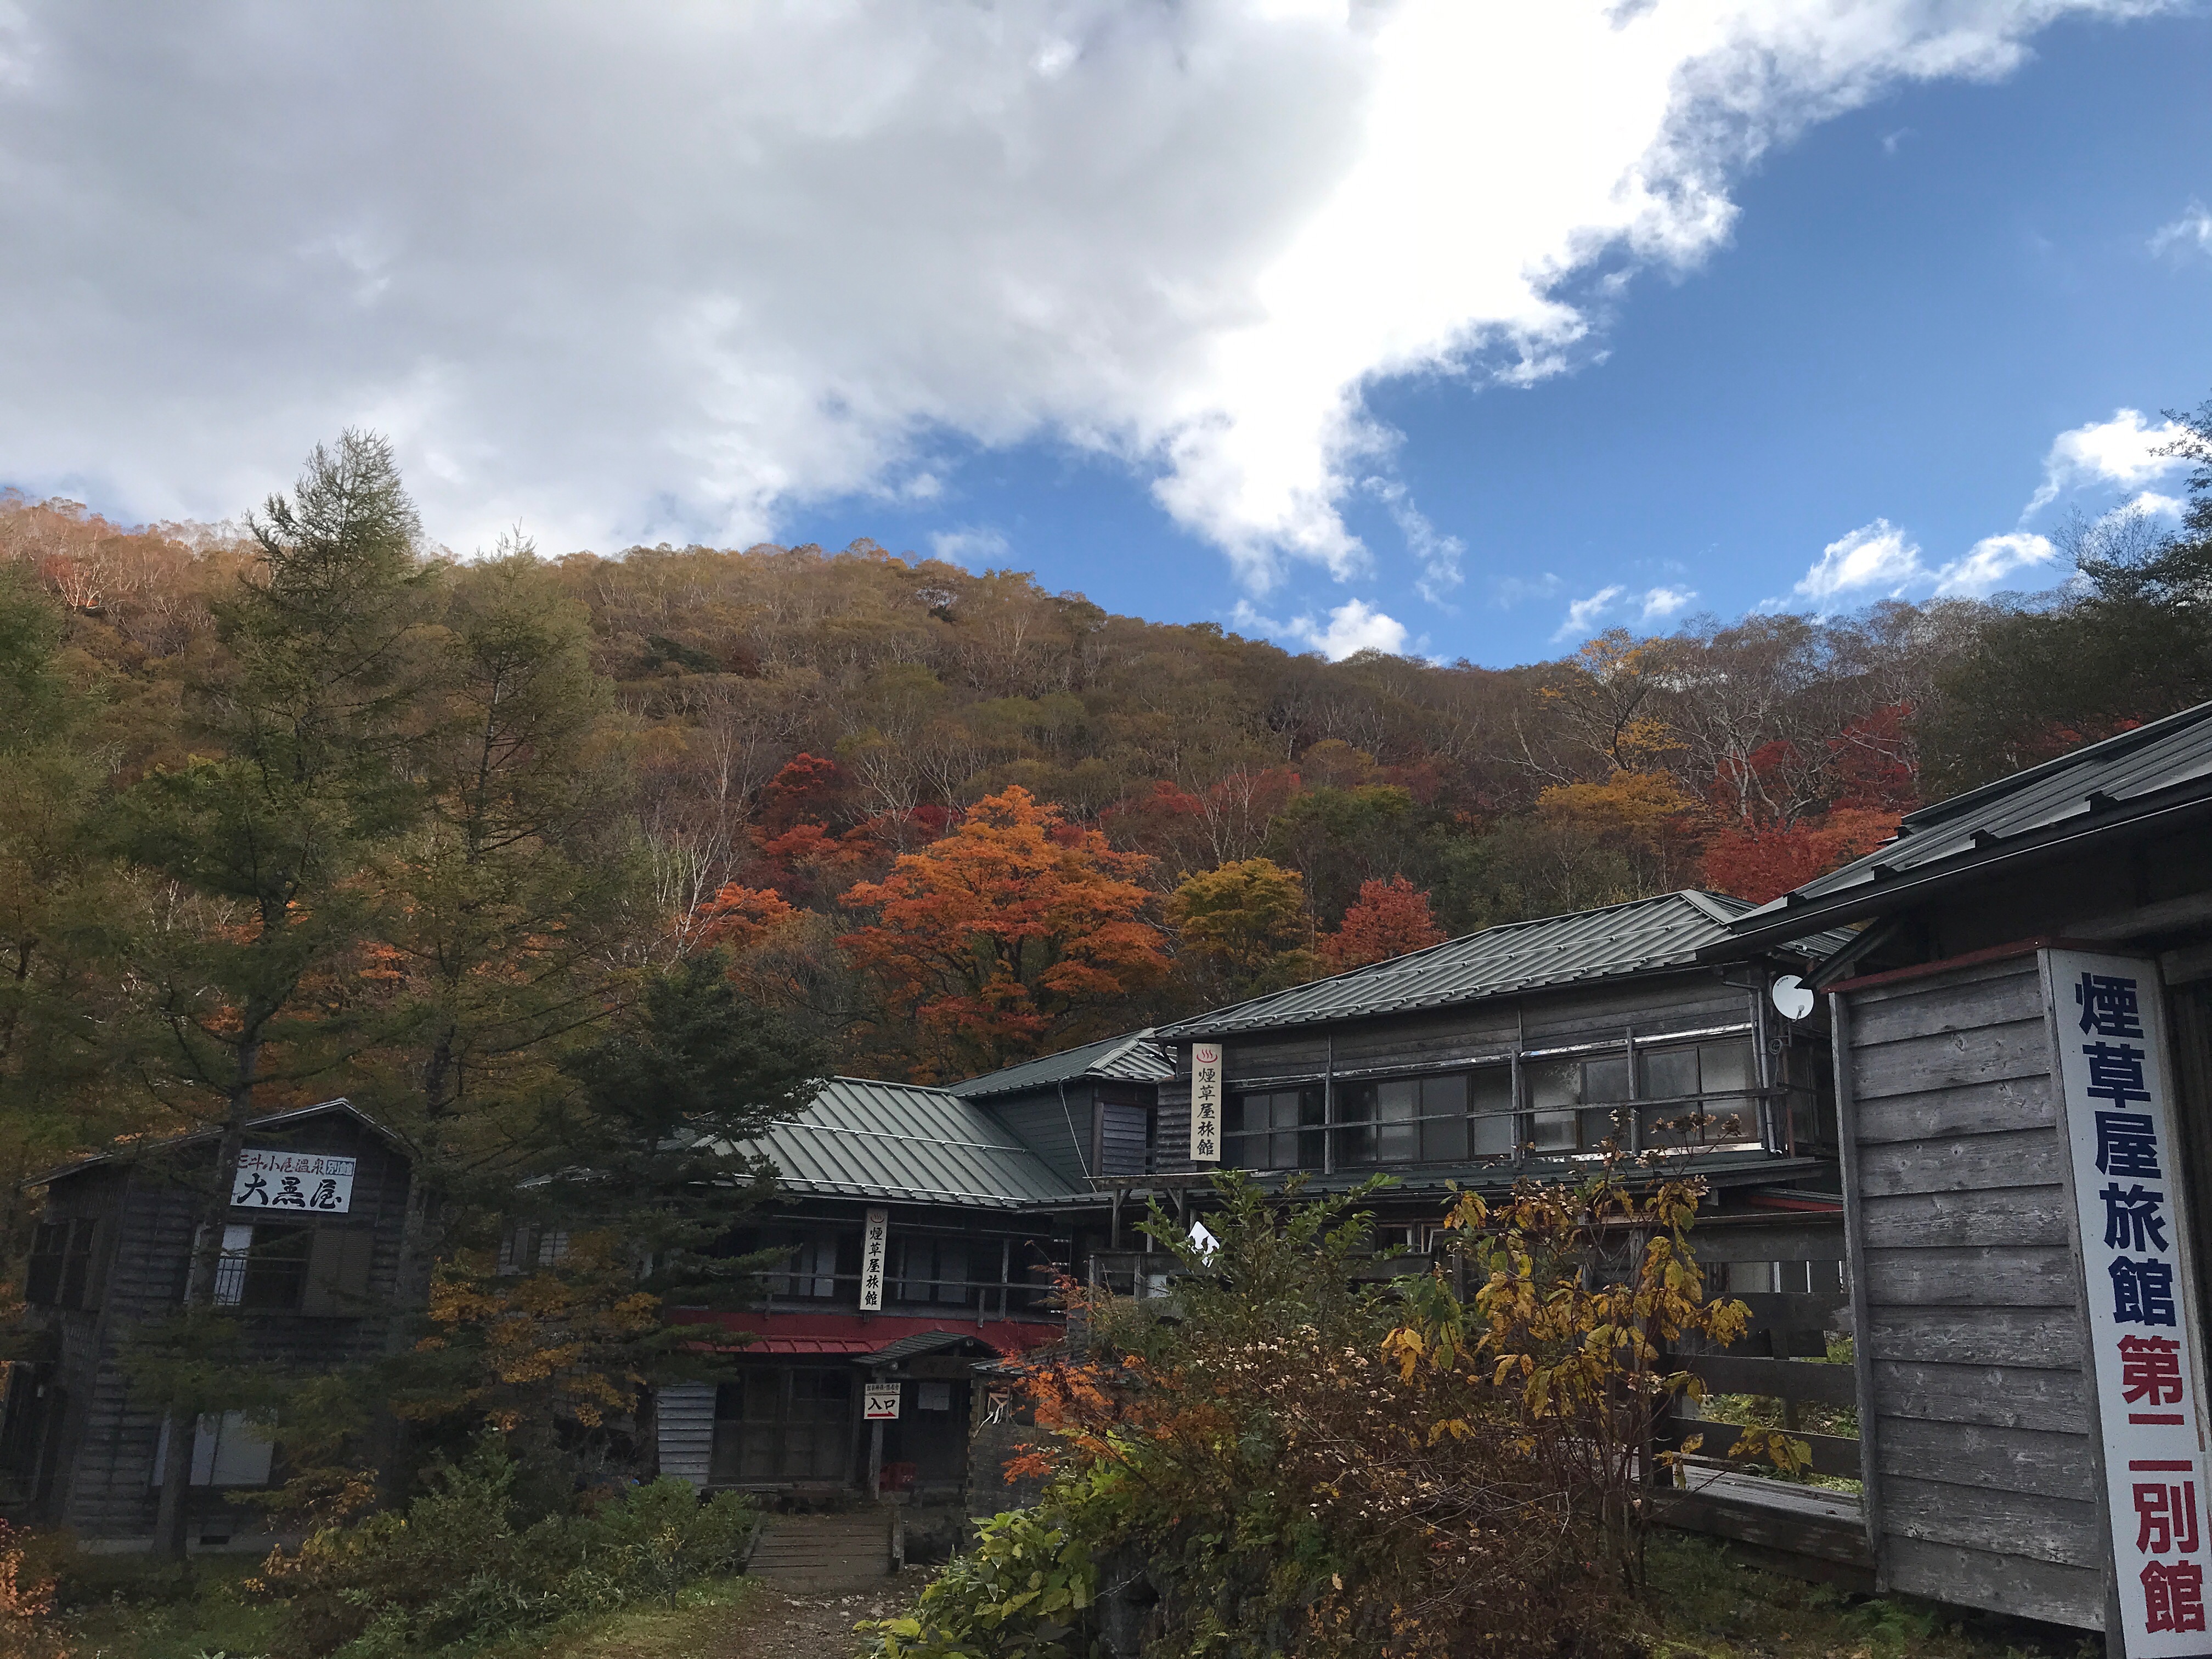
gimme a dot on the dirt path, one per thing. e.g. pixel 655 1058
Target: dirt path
pixel 777 1626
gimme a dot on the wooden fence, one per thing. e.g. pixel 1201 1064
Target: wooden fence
pixel 1789 1269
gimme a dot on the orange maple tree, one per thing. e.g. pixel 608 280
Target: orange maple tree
pixel 1014 929
pixel 1387 919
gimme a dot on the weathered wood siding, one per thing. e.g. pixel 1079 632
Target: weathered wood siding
pixel 105 1487
pixel 1656 1007
pixel 1984 1487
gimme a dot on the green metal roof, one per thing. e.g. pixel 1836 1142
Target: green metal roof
pixel 2162 770
pixel 904 1143
pixel 1639 937
pixel 1132 1057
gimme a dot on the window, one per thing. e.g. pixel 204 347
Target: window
pixel 1402 1120
pixel 1278 1131
pixel 1494 1131
pixel 1124 1138
pixel 59 1273
pixel 262 1268
pixel 813 1261
pixel 786 1423
pixel 524 1249
pixel 227 1450
pixel 1577 1103
pixel 930 1269
pixel 1697 1095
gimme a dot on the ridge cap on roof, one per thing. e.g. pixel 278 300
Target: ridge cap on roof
pixel 2119 743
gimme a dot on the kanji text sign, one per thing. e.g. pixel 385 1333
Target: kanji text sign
pixel 292 1180
pixel 875 1248
pixel 1206 1103
pixel 879 1402
pixel 2109 1017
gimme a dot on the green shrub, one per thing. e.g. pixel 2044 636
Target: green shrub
pixel 1024 1592
pixel 454 1570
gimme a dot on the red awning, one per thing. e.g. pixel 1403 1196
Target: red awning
pixel 809 1345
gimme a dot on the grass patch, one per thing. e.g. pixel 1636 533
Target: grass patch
pixel 142 1610
pixel 697 1625
pixel 1705 1604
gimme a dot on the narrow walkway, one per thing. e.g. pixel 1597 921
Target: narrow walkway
pixel 825 1554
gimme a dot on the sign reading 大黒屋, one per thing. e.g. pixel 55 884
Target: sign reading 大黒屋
pixel 1206 1103
pixel 292 1180
pixel 2108 1016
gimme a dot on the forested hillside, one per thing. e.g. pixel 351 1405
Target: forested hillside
pixel 935 820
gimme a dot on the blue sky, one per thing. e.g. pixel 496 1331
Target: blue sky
pixel 1918 297
pixel 1460 327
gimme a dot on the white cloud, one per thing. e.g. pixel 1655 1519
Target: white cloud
pixel 2122 451
pixel 1880 561
pixel 2152 504
pixel 1992 561
pixel 1511 590
pixel 975 546
pixel 1439 554
pixel 1352 626
pixel 673 272
pixel 1877 557
pixel 1584 616
pixel 2191 232
pixel 1662 603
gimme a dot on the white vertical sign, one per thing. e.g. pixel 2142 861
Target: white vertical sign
pixel 2109 1017
pixel 875 1246
pixel 1206 1103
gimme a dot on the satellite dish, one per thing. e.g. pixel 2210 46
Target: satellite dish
pixel 1203 1242
pixel 1793 997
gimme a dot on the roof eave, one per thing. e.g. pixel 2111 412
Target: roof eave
pixel 1880 895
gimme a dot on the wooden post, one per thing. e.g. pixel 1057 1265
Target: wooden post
pixel 1847 1157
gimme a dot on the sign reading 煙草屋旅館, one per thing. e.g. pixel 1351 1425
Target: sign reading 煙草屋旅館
pixel 311 1183
pixel 2131 1198
pixel 1206 1103
pixel 875 1249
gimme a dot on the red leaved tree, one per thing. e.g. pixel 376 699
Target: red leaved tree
pixel 1017 929
pixel 1387 919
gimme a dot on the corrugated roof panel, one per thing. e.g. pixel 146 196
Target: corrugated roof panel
pixel 902 1142
pixel 1132 1057
pixel 2168 762
pixel 1641 936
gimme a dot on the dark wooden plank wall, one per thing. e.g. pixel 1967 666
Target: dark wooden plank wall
pixel 1654 1006
pixel 1984 1487
pixel 106 1484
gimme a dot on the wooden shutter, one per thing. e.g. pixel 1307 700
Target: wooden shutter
pixel 337 1271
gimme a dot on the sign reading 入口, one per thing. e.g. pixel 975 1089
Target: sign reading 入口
pixel 1206 1103
pixel 879 1402
pixel 2108 1015
pixel 292 1180
pixel 875 1245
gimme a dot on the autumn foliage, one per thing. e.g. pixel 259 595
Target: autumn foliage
pixel 1006 933
pixel 1388 918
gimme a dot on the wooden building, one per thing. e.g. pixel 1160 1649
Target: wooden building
pixel 1091 1113
pixel 1523 1049
pixel 2025 1084
pixel 308 1256
pixel 920 1240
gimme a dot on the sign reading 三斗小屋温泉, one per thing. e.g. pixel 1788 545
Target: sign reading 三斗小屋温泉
pixel 2130 1187
pixel 875 1247
pixel 1206 1103
pixel 308 1182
